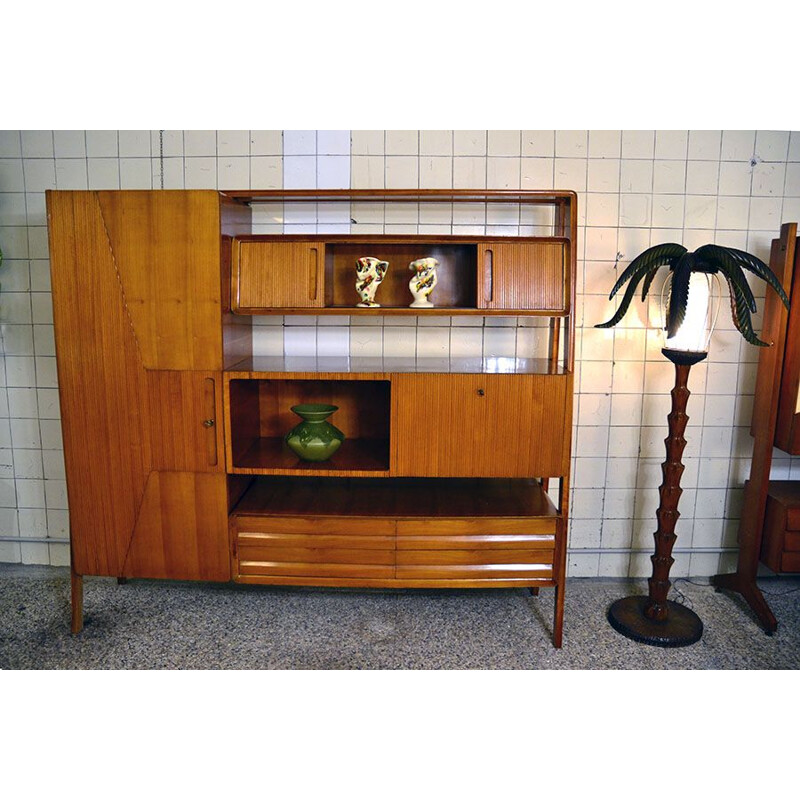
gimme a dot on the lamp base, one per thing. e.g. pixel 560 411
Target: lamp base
pixel 681 628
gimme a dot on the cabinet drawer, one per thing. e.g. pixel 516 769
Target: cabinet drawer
pixel 315 526
pixel 472 527
pixel 475 548
pixel 314 547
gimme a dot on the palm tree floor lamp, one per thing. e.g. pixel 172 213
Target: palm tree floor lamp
pixel 690 302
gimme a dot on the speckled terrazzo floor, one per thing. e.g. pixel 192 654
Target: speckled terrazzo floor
pixel 165 625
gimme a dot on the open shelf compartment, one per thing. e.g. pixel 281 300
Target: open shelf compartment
pixel 457 273
pixel 260 416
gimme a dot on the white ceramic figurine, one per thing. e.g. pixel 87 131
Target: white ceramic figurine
pixel 423 281
pixel 369 274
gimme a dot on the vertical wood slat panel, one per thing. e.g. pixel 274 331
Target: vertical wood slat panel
pixel 523 276
pixel 277 275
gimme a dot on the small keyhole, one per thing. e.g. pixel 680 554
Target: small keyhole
pixel 481 393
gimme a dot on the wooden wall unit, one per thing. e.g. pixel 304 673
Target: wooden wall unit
pixel 173 431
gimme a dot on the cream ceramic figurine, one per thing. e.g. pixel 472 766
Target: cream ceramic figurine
pixel 423 282
pixel 369 274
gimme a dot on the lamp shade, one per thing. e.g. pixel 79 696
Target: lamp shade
pixel 690 341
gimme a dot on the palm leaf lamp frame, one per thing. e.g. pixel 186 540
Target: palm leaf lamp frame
pixel 653 619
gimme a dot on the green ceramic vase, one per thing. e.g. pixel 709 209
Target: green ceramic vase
pixel 314 439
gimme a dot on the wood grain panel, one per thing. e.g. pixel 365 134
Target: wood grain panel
pixel 181 530
pixel 314 526
pixel 790 562
pixel 787 424
pixel 450 572
pixel 122 424
pixel 530 276
pixel 472 527
pixel 101 388
pixel 473 557
pixel 480 425
pixel 269 275
pixel 265 541
pixel 314 570
pixel 516 541
pixel 181 403
pixel 165 251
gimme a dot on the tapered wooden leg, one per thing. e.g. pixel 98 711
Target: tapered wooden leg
pixel 121 581
pixel 558 616
pixel 77 602
pixel 735 582
pixel 534 590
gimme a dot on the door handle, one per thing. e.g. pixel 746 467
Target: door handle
pixel 488 280
pixel 313 264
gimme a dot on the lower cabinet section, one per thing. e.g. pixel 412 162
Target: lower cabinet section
pixel 393 549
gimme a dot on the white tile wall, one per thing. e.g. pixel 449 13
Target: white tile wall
pixel 636 188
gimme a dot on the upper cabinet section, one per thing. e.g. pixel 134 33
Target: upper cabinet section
pixel 528 269
pixel 318 274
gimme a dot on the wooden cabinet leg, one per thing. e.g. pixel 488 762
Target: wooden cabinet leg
pixel 121 581
pixel 558 616
pixel 77 602
pixel 534 590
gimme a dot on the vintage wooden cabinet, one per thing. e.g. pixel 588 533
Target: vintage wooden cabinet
pixel 173 428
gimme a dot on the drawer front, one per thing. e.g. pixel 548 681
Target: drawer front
pixel 353 526
pixel 314 547
pixel 793 518
pixel 790 562
pixel 791 541
pixel 475 549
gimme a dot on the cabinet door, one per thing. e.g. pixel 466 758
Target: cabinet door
pixel 528 276
pixel 268 275
pixel 145 481
pixel 489 426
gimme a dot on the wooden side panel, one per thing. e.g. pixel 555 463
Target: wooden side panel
pixel 528 276
pixel 101 386
pixel 165 252
pixel 495 426
pixel 181 531
pixel 270 275
pixel 787 425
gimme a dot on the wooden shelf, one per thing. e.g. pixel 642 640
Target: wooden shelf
pixel 429 498
pixel 270 456
pixel 338 368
